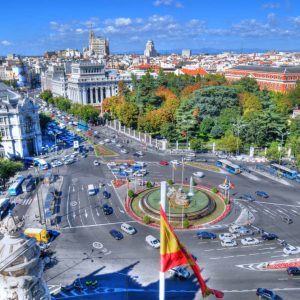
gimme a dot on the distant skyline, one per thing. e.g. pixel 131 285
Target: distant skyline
pixel 35 26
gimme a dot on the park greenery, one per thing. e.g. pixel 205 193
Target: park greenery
pixel 87 113
pixel 8 168
pixel 207 109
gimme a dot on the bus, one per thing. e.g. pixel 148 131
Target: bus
pixel 41 163
pixel 16 188
pixel 229 166
pixel 4 206
pixel 76 145
pixel 284 171
pixel 298 178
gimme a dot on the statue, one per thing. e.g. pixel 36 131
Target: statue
pixel 21 268
pixel 178 197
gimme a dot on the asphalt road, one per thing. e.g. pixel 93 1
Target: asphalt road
pixel 128 269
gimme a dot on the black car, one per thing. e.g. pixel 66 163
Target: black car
pixel 107 210
pixel 267 294
pixel 269 236
pixel 293 271
pixel 106 194
pixel 117 235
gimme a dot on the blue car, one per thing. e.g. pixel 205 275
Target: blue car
pixel 206 235
pixel 267 294
pixel 293 271
pixel 261 194
pixel 247 197
pixel 106 194
pixel 116 234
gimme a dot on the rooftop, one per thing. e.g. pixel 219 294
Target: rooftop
pixel 271 69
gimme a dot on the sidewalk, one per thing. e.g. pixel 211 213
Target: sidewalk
pixel 32 215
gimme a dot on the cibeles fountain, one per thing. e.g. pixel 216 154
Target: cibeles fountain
pixel 21 268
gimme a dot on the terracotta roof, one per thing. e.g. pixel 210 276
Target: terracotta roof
pixel 147 66
pixel 199 71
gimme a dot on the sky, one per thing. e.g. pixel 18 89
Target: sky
pixel 35 26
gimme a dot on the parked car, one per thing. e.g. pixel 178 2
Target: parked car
pixel 249 241
pixel 117 235
pixel 175 162
pixel 163 163
pixel 152 241
pixel 269 236
pixel 106 194
pixel 247 197
pixel 128 228
pixel 124 151
pixel 179 272
pixel 291 250
pixel 287 220
pixel 138 154
pixel 206 235
pixel 261 194
pixel 119 145
pixel 245 231
pixel 267 294
pixel 293 271
pixel 107 210
pixel 96 163
pixel 107 141
pixel 228 243
pixel 234 228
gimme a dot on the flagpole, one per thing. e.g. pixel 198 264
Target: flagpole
pixel 163 202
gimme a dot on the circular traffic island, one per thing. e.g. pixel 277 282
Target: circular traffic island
pixel 186 206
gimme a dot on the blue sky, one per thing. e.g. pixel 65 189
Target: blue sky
pixel 35 26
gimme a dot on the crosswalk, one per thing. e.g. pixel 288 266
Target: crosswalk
pixel 24 202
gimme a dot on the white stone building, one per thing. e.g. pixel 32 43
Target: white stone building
pixel 19 124
pixel 150 49
pixel 98 46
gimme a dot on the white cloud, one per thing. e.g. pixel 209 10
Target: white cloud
pixel 271 5
pixel 177 4
pixel 123 21
pixel 6 43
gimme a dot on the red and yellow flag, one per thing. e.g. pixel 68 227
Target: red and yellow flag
pixel 174 254
pixel 225 181
pixel 231 185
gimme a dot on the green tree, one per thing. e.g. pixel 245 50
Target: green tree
pixel 295 127
pixel 228 117
pixel 46 95
pixel 127 113
pixel 251 103
pixel 196 144
pixel 146 219
pixel 273 152
pixel 9 168
pixel 89 113
pixel 44 120
pixel 229 143
pixel 186 223
pixel 167 130
pixel 131 193
pixel 161 80
pixel 206 125
pixel 248 84
pixel 11 82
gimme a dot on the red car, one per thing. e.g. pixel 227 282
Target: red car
pixel 163 163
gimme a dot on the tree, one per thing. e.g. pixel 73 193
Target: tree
pixel 196 144
pixel 9 168
pixel 295 127
pixel 131 193
pixel 206 125
pixel 250 103
pixel 167 130
pixel 62 103
pixel 228 117
pixel 149 185
pixel 146 219
pixel 11 82
pixel 216 131
pixel 229 143
pixel 248 84
pixel 186 223
pixel 273 152
pixel 161 80
pixel 44 120
pixel 46 95
pixel 127 113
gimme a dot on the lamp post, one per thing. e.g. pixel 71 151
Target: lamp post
pixel 40 205
pixel 238 125
pixel 281 143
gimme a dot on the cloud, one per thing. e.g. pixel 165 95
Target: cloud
pixel 123 21
pixel 176 4
pixel 295 21
pixel 271 5
pixel 5 43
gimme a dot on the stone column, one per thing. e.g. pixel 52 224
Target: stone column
pixel 91 95
pixel 97 96
pixel 84 96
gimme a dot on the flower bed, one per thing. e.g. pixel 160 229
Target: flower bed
pixel 119 182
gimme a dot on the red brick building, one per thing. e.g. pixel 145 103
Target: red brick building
pixel 277 79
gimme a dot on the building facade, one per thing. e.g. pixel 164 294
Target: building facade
pixel 87 83
pixel 98 46
pixel 19 124
pixel 277 79
pixel 150 49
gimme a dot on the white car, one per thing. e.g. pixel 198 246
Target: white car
pixel 111 164
pixel 101 143
pixel 234 228
pixel 138 174
pixel 198 174
pixel 249 241
pixel 291 250
pixel 107 140
pixel 229 243
pixel 124 151
pixel 226 236
pixel 152 241
pixel 175 162
pixel 119 145
pixel 96 163
pixel 128 228
pixel 113 141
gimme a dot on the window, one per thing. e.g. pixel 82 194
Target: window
pixel 2 132
pixel 28 125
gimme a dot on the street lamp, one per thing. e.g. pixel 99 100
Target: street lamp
pixel 238 125
pixel 281 143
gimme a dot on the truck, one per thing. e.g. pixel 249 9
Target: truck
pixel 41 235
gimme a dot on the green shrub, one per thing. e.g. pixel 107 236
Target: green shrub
pixel 149 185
pixel 226 201
pixel 186 223
pixel 170 182
pixel 131 193
pixel 214 189
pixel 146 219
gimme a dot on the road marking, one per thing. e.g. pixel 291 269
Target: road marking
pixel 73 203
pixel 73 188
pixel 85 213
pixel 289 205
pixel 82 188
pixel 74 214
pixel 97 245
pixel 68 200
pixel 96 225
pixel 80 214
pixel 266 210
pixel 270 248
pixel 240 255
pixel 97 212
pixel 121 210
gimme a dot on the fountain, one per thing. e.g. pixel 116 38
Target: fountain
pixel 191 192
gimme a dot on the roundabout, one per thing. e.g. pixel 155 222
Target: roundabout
pixel 195 205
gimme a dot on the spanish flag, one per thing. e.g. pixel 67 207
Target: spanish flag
pixel 174 254
pixel 225 183
pixel 231 185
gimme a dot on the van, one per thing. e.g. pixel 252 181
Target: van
pixel 91 190
pixel 41 235
pixel 128 228
pixel 152 241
